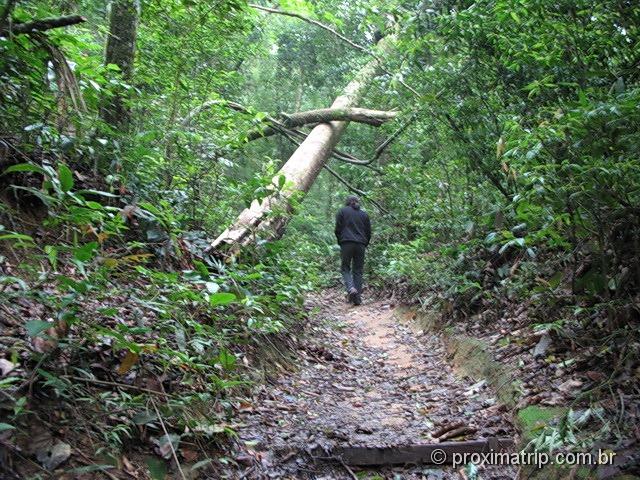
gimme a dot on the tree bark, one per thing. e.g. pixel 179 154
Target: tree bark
pixel 120 51
pixel 6 13
pixel 323 115
pixel 299 119
pixel 270 216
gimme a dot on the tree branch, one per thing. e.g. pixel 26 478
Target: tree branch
pixel 42 25
pixel 337 34
pixel 382 147
pixel 186 121
pixel 354 189
pixel 335 153
pixel 324 115
pixel 273 127
pixel 313 22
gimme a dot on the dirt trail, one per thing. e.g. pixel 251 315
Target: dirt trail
pixel 364 379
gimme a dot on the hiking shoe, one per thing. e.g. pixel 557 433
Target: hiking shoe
pixel 357 300
pixel 353 295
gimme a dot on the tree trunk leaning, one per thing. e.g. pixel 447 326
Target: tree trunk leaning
pixel 300 171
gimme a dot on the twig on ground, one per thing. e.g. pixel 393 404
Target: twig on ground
pixel 346 467
pixel 448 428
pixel 173 450
pixel 457 432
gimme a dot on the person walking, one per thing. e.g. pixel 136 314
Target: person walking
pixel 353 232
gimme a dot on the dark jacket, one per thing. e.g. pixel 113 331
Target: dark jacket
pixel 353 225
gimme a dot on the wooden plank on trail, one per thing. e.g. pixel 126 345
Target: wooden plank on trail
pixel 435 453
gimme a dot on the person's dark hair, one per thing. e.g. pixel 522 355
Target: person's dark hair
pixel 352 201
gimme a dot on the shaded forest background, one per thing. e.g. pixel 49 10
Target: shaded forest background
pixel 508 198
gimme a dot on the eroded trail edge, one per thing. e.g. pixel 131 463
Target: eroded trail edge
pixel 366 377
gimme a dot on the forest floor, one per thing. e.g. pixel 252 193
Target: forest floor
pixel 364 378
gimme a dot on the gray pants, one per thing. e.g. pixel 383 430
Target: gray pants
pixel 352 253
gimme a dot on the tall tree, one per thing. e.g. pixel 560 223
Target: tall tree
pixel 120 51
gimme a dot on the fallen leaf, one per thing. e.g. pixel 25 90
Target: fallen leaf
pixel 129 360
pixel 569 386
pixel 595 376
pixel 128 466
pixel 189 455
pixel 165 443
pixel 6 366
pixel 59 454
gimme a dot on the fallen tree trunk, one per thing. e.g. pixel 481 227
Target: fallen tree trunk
pixel 323 115
pixel 276 127
pixel 42 25
pixel 299 119
pixel 269 217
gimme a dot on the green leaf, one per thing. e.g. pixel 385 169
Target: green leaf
pixel 202 269
pixel 222 298
pixel 91 468
pixel 555 280
pixel 16 236
pixel 66 177
pixel 6 426
pixel 7 280
pixel 90 191
pixel 142 418
pixel 52 255
pixel 157 468
pixel 85 252
pixel 36 327
pixel 24 167
pixel 226 359
pixel 200 464
pixel 80 287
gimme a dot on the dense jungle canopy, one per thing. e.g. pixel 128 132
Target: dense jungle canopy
pixel 170 175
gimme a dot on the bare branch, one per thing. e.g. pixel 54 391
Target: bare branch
pixel 382 147
pixel 42 25
pixel 313 22
pixel 337 34
pixel 273 126
pixel 354 189
pixel 291 135
pixel 186 121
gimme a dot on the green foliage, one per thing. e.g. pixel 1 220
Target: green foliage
pixel 516 180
